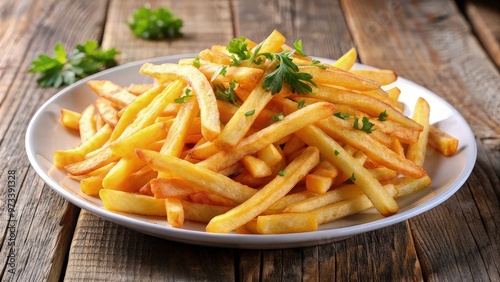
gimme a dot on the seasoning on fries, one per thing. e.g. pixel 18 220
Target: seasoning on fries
pixel 252 138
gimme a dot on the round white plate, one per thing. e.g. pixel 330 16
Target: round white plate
pixel 46 134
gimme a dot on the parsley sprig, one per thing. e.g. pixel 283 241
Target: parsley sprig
pixel 153 24
pixel 64 68
pixel 238 47
pixel 366 127
pixel 228 94
pixel 287 71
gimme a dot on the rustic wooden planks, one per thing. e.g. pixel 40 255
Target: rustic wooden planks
pixel 389 253
pixel 120 253
pixel 484 17
pixel 432 44
pixel 42 222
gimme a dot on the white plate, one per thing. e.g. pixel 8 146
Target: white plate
pixel 45 135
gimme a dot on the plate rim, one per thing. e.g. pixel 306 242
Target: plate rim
pixel 243 241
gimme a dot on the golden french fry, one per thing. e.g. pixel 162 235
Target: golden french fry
pixel 112 92
pixel 70 119
pixel 272 43
pixel 202 212
pixel 175 212
pixel 287 223
pixel 179 130
pixel 338 194
pixel 266 196
pixel 66 157
pixel 256 167
pixel 210 180
pixel 366 104
pixel 86 124
pixel 384 77
pixel 416 151
pixel 269 135
pixel 173 187
pixel 373 149
pixel 405 185
pixel 201 88
pixel 132 110
pixel 104 157
pixel 333 152
pixel 106 110
pixel 288 200
pixel 119 201
pixel 334 76
pixel 245 115
pixel 91 185
pixel 245 76
pixel 138 89
pixel 214 57
pixel 139 139
pixel 442 142
pixel 346 61
pixel 270 155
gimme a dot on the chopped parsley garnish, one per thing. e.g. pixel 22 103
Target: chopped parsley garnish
pixel 316 63
pixel 250 113
pixel 342 115
pixel 184 97
pixel 220 71
pixel 282 172
pixel 298 47
pixel 352 178
pixel 153 24
pixel 367 125
pixel 301 104
pixel 336 153
pixel 239 50
pixel 196 62
pixel 278 117
pixel 64 68
pixel 228 95
pixel 287 71
pixel 383 116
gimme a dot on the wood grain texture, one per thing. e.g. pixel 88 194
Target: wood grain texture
pixel 42 222
pixel 154 259
pixel 431 44
pixel 389 253
pixel 484 17
pixel 104 251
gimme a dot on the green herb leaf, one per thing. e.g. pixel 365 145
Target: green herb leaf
pixel 367 125
pixel 336 153
pixel 228 95
pixel 278 117
pixel 352 178
pixel 342 115
pixel 383 116
pixel 196 62
pixel 220 71
pixel 153 24
pixel 316 63
pixel 184 97
pixel 250 113
pixel 298 47
pixel 282 172
pixel 239 50
pixel 301 104
pixel 287 71
pixel 65 69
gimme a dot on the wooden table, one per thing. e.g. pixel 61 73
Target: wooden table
pixel 429 42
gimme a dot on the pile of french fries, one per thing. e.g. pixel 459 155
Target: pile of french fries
pixel 257 163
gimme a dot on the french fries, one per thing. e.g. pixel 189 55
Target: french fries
pixel 212 141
